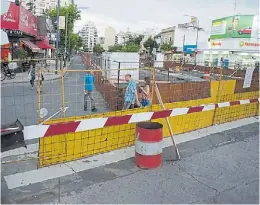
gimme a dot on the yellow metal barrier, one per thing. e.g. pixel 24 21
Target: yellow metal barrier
pixel 72 146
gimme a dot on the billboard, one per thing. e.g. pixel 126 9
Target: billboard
pixel 189 49
pixel 238 26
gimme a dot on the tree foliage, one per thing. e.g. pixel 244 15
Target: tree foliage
pixel 167 46
pixel 132 45
pixel 72 13
pixel 75 42
pixel 98 49
pixel 150 44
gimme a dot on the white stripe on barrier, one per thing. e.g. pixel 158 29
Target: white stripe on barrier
pixel 34 131
pixel 148 148
pixel 242 102
pixel 224 104
pixel 88 124
pixel 209 107
pixel 179 111
pixel 139 117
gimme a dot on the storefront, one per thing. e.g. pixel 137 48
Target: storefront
pixel 233 51
pixel 234 41
pixel 21 28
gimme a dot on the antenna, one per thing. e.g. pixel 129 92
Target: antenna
pixel 235 5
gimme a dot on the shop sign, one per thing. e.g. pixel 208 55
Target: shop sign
pixel 189 49
pixel 28 22
pixel 15 32
pixel 10 19
pixel 249 44
pixel 215 43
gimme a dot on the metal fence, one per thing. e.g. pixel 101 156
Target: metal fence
pixel 61 99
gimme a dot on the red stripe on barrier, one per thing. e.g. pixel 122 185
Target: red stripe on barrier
pixel 118 120
pixel 253 100
pixel 161 114
pixel 234 103
pixel 57 129
pixel 195 109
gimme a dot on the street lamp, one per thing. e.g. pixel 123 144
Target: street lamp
pixel 197 36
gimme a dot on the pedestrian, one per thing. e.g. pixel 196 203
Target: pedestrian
pixel 145 92
pixel 89 87
pixel 31 74
pixel 130 94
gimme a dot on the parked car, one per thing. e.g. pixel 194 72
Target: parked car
pixel 245 30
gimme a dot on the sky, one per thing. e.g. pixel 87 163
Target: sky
pixel 139 15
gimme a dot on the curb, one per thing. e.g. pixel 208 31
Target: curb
pixel 26 81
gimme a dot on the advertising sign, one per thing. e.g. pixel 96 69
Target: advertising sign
pixel 248 77
pixel 239 26
pixel 62 22
pixel 10 19
pixel 189 49
pixel 28 22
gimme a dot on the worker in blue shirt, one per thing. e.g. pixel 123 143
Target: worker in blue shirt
pixel 89 87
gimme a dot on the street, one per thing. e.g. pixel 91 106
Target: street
pixel 221 167
pixel 20 102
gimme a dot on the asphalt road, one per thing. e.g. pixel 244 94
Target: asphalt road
pixel 18 101
pixel 219 168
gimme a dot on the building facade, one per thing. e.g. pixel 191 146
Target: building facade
pixel 123 37
pixel 89 36
pixel 110 37
pixel 39 7
pixel 234 40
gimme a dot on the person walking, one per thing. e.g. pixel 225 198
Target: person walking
pixel 130 94
pixel 31 75
pixel 89 87
pixel 145 93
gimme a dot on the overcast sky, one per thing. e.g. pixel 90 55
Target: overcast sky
pixel 138 15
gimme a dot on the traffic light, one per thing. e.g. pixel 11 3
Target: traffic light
pixel 17 2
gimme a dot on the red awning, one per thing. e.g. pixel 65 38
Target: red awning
pixel 45 45
pixel 32 46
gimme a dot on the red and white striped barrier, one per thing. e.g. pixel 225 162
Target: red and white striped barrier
pixel 148 146
pixel 39 131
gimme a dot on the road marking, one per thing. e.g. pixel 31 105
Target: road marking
pixel 52 172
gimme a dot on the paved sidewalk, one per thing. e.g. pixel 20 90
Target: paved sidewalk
pixel 222 167
pixel 48 73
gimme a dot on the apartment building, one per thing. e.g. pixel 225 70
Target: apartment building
pixel 122 37
pixel 39 7
pixel 110 37
pixel 89 36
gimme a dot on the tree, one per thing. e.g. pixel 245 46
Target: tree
pixel 98 49
pixel 131 47
pixel 167 46
pixel 137 40
pixel 75 42
pixel 115 48
pixel 150 44
pixel 72 13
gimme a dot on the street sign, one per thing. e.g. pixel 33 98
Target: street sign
pixel 189 49
pixel 62 22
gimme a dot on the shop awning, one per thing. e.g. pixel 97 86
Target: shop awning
pixel 45 45
pixel 32 46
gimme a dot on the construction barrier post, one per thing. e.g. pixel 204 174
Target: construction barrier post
pixel 148 146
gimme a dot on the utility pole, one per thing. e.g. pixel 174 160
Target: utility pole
pixel 197 37
pixel 66 36
pixel 57 37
